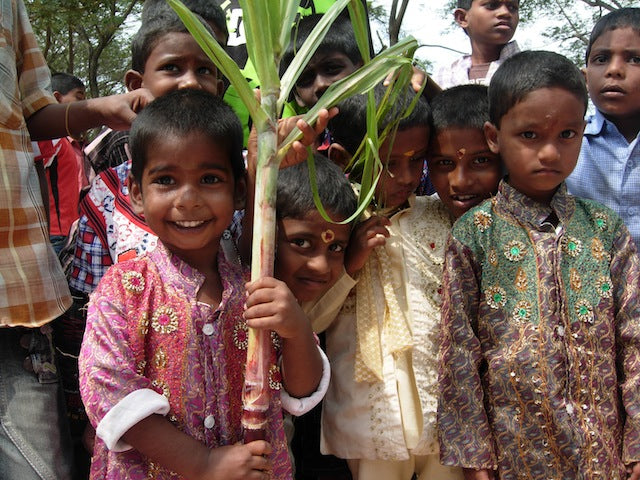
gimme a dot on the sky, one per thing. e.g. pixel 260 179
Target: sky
pixel 432 25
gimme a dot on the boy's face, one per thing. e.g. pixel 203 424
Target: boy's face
pixel 310 254
pixel 73 95
pixel 404 161
pixel 176 62
pixel 539 141
pixel 462 168
pixel 613 74
pixel 489 22
pixel 322 70
pixel 188 194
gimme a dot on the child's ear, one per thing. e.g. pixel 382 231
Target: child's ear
pixel 338 155
pixel 135 195
pixel 133 80
pixel 460 16
pixel 240 193
pixel 58 95
pixel 491 135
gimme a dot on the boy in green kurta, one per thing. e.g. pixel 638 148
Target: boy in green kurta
pixel 540 352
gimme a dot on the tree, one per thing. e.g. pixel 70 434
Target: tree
pixel 88 38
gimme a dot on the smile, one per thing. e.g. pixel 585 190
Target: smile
pixel 189 223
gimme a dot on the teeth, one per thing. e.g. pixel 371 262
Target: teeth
pixel 189 224
pixel 463 198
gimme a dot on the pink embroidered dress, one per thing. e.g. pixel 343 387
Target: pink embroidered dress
pixel 150 347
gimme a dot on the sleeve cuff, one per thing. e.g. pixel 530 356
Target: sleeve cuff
pixel 133 408
pixel 300 406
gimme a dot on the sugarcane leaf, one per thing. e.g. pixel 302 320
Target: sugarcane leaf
pixel 223 61
pixel 289 10
pixel 309 47
pixel 360 22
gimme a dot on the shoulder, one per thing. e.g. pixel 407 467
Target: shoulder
pixel 475 222
pixel 597 217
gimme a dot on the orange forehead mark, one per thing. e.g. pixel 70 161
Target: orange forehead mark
pixel 328 236
pixel 461 152
pixel 409 153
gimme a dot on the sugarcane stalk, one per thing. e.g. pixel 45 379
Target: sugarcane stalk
pixel 256 392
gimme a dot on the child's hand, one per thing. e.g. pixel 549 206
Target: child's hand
pixel 298 151
pixel 271 305
pixel 634 471
pixel 473 474
pixel 366 236
pixel 237 462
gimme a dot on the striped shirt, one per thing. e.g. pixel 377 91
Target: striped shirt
pixel 33 289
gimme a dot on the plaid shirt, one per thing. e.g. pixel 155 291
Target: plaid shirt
pixel 33 289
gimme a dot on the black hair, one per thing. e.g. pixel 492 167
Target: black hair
pixel 207 9
pixel 150 33
pixel 464 4
pixel 463 106
pixel 65 82
pixel 349 127
pixel 532 70
pixel 295 197
pixel 180 113
pixel 621 18
pixel 340 38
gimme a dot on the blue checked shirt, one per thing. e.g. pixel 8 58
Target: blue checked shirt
pixel 608 171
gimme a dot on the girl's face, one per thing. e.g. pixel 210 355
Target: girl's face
pixel 187 195
pixel 310 254
pixel 404 161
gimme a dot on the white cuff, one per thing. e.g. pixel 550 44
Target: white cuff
pixel 136 406
pixel 300 406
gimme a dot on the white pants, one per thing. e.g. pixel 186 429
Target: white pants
pixel 426 467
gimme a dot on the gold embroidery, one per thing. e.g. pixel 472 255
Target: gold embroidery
pixel 159 384
pixel 584 310
pixel 493 258
pixel 522 311
pixel 521 282
pixel 164 320
pixel 241 335
pixel 482 220
pixel 598 251
pixel 575 281
pixel 133 282
pixel 143 324
pixel 140 367
pixel 604 286
pixel 496 296
pixel 160 358
pixel 275 379
pixel 571 246
pixel 601 221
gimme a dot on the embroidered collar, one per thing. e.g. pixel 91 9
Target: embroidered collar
pixel 529 211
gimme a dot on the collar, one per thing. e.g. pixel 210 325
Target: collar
pixel 527 210
pixel 595 124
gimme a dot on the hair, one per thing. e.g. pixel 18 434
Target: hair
pixel 464 106
pixel 207 9
pixel 65 82
pixel 532 70
pixel 295 197
pixel 621 18
pixel 340 37
pixel 152 31
pixel 464 4
pixel 349 127
pixel 183 112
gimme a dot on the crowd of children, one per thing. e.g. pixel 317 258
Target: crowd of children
pixel 488 331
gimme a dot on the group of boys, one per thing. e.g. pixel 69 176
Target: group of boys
pixel 538 359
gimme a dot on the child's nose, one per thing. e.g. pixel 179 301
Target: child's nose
pixel 319 264
pixel 549 153
pixel 458 178
pixel 320 86
pixel 188 197
pixel 189 80
pixel 615 67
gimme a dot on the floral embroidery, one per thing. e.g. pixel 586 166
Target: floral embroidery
pixel 584 310
pixel 522 311
pixel 276 341
pixel 160 359
pixel 604 286
pixel 140 367
pixel 241 335
pixel 515 250
pixel 598 251
pixel 601 220
pixel 575 281
pixel 164 320
pixel 521 282
pixel 275 378
pixel 496 297
pixel 133 282
pixel 571 246
pixel 493 258
pixel 143 324
pixel 161 385
pixel 482 220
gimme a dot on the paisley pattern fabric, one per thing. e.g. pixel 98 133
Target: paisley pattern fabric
pixel 145 330
pixel 540 352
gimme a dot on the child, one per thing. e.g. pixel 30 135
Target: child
pixel 540 336
pixel 608 169
pixel 379 412
pixel 463 169
pixel 162 361
pixel 490 25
